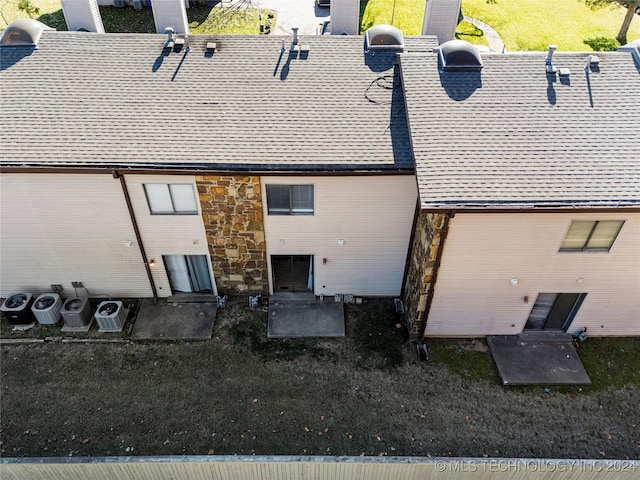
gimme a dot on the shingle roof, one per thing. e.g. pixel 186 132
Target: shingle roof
pixel 116 100
pixel 510 137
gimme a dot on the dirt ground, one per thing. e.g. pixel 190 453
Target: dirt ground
pixel 239 393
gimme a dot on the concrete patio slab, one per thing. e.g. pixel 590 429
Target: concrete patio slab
pixel 165 320
pixel 537 358
pixel 308 318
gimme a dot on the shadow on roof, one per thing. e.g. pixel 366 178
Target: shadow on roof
pixel 9 56
pixel 460 85
pixel 399 127
pixel 380 60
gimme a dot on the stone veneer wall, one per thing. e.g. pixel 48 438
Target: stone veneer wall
pixel 424 251
pixel 233 221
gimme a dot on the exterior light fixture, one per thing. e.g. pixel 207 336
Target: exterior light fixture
pixel 513 281
pixel 152 262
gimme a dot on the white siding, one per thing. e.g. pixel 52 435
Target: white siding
pixel 167 234
pixel 170 14
pixel 473 296
pixel 441 19
pixel 372 214
pixel 345 17
pixel 68 227
pixel 82 14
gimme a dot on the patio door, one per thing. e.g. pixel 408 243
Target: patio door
pixel 292 273
pixel 188 273
pixel 554 311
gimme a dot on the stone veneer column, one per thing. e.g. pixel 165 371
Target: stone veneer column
pixel 233 221
pixel 424 252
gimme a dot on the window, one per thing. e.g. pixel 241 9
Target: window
pixel 290 199
pixel 171 199
pixel 591 235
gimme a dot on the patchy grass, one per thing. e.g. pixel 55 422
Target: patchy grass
pixel 202 20
pixel 611 362
pixel 250 330
pixel 240 393
pixel 229 20
pixel 377 334
pixel 469 358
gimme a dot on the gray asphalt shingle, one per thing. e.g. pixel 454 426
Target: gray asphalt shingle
pixel 511 137
pixel 116 100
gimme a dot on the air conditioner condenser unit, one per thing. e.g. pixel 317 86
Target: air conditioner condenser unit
pixel 47 308
pixel 76 312
pixel 111 316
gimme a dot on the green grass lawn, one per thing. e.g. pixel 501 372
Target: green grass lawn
pixel 202 20
pixel 534 24
pixel 522 24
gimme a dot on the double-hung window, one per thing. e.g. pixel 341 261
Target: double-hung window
pixel 171 199
pixel 290 199
pixel 591 235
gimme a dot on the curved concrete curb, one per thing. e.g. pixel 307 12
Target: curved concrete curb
pixel 26 341
pixel 495 42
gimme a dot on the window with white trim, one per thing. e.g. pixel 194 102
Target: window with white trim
pixel 171 199
pixel 591 235
pixel 290 199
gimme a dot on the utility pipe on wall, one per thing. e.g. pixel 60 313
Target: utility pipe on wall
pixel 127 199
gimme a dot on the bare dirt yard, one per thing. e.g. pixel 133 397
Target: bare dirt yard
pixel 365 394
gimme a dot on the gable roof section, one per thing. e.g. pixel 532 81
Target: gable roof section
pixel 509 137
pixel 85 100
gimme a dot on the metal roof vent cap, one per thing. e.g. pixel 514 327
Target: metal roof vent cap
pixel 23 32
pixel 384 36
pixel 459 56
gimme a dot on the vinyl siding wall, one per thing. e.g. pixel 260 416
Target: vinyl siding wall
pixel 167 234
pixel 59 228
pixel 372 214
pixel 473 296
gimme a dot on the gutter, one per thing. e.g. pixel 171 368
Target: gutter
pixel 132 215
pixel 434 278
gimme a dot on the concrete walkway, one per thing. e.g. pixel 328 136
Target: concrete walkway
pixel 303 14
pixel 495 42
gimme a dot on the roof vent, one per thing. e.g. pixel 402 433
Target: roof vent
pixel 459 56
pixel 23 32
pixel 550 68
pixel 384 36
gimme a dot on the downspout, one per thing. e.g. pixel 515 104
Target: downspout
pixel 443 237
pixel 127 199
